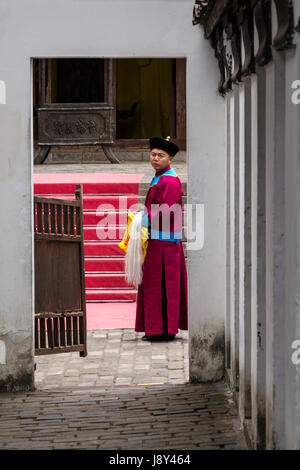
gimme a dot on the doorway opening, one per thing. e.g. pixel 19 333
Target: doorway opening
pixel 137 105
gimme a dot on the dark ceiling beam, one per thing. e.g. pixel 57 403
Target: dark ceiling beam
pixel 285 19
pixel 230 25
pixel 218 10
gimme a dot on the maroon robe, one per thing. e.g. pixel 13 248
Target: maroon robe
pixel 162 295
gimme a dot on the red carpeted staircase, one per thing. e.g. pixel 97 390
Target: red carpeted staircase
pixel 106 199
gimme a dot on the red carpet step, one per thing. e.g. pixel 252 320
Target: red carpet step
pixel 106 280
pixel 105 264
pixel 111 295
pixel 113 232
pixel 93 183
pixel 103 203
pixel 106 200
pixel 93 218
pixel 103 248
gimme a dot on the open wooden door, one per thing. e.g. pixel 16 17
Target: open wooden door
pixel 60 306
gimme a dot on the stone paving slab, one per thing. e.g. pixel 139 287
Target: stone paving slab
pixel 130 167
pixel 181 416
pixel 116 357
pixel 102 401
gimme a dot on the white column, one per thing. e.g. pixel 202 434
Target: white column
pixel 276 263
pixel 16 272
pixel 228 236
pixel 240 254
pixel 270 149
pixel 258 250
pixel 233 318
pixel 236 244
pixel 245 252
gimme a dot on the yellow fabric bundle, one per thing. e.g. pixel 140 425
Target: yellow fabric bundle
pixel 144 235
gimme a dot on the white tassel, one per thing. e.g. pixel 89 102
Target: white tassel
pixel 134 255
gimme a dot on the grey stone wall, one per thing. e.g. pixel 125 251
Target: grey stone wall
pixel 143 23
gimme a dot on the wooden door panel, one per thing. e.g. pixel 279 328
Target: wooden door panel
pixel 57 264
pixel 60 307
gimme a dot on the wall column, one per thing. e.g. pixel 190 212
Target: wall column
pixel 16 243
pixel 258 250
pixel 245 251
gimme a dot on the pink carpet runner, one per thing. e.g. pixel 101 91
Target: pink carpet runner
pixel 106 199
pixel 111 315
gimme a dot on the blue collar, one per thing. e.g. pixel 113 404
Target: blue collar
pixel 169 172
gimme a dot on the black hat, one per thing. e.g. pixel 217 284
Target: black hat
pixel 164 144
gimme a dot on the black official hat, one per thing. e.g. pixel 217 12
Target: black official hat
pixel 164 144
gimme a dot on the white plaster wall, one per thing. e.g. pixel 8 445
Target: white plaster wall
pixel 16 320
pixel 275 251
pixel 206 185
pixel 110 28
pixel 283 315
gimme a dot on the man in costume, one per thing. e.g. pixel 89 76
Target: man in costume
pixel 162 295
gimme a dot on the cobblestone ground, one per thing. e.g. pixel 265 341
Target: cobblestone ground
pixel 179 416
pixel 96 402
pixel 116 357
pixel 126 394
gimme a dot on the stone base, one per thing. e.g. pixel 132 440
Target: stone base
pixel 23 382
pixel 17 362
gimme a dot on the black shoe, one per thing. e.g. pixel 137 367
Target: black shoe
pixel 163 337
pixel 170 337
pixel 147 338
pixel 158 337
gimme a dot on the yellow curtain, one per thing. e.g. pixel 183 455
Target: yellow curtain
pixel 143 98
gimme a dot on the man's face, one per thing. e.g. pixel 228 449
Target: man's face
pixel 159 159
